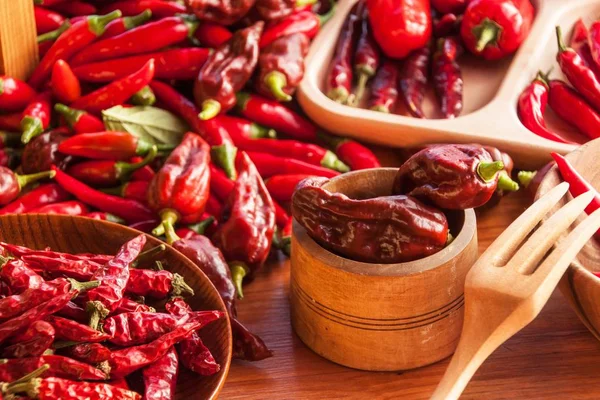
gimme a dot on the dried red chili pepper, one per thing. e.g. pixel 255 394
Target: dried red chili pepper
pixel 90 353
pixel 384 92
pixel 159 8
pixel 14 369
pixel 67 329
pixel 281 187
pixel 117 92
pixel 136 190
pixel 11 121
pixel 270 113
pixel 212 34
pixel 108 145
pixel 31 343
pixel 365 234
pixel 74 312
pixel 74 39
pixel 40 196
pixel 281 66
pixel 15 94
pixel 36 116
pixel 226 72
pixel 450 176
pixel 128 305
pixel 446 25
pixel 564 100
pixel 56 388
pixel 18 275
pixel 157 284
pixel 11 184
pixel 124 24
pixel 354 154
pixel 113 278
pixel 22 251
pixel 224 12
pixel 493 29
pixel 413 80
pixel 400 26
pixel 160 377
pixel 366 57
pixel 447 77
pixel 269 10
pixel 179 191
pixel 46 20
pixel 128 209
pixel 57 264
pixel 269 165
pixel 65 85
pixel 194 355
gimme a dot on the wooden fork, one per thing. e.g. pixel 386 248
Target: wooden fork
pixel 509 285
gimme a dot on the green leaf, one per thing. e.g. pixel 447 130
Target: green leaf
pixel 152 124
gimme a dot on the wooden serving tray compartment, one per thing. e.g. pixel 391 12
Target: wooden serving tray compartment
pixel 491 92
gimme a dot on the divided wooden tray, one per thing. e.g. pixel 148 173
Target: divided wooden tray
pixel 491 93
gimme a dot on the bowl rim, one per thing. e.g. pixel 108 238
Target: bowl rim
pixel 441 258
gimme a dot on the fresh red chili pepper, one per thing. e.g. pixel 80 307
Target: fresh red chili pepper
pixel 46 40
pixel 31 343
pixel 447 77
pixel 281 187
pixel 74 39
pixel 226 72
pixel 57 388
pixel 137 190
pixel 220 184
pixel 281 216
pixel 46 20
pixel 181 64
pixel 89 353
pixel 124 24
pixel 270 113
pixel 103 216
pixel 15 94
pixel 269 165
pixel 449 6
pixel 65 85
pixel 42 152
pixel 67 329
pixel 130 210
pixel 212 34
pixel 179 191
pixel 157 284
pixel 72 207
pixel 579 43
pixel 78 120
pixel 113 278
pixel 413 80
pixel 11 121
pixel 160 377
pixel 384 92
pixel 400 26
pixel 108 145
pixel 571 107
pixel 9 139
pixel 11 184
pixel 74 312
pixel 143 174
pixel 129 305
pixel 580 33
pixel 241 129
pixel 366 57
pixel 40 196
pixel 108 173
pixel 117 92
pixel 213 206
pixel 159 8
pixel 194 355
pixel 75 8
pixel 493 29
pixel 36 116
pixel 531 105
pixel 578 185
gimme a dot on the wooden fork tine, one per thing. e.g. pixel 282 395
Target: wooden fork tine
pixel 529 255
pixel 506 244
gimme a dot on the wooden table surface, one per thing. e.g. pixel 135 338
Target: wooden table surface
pixel 555 357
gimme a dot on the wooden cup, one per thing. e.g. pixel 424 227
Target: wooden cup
pixel 380 317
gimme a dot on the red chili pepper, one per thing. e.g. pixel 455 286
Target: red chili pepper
pixel 241 129
pixel 108 145
pixel 449 6
pixel 19 276
pixel 75 8
pixel 11 184
pixel 493 29
pixel 447 77
pixel 46 20
pixel 157 284
pixel 117 92
pixel 72 207
pixel 194 355
pixel 306 22
pixel 15 94
pixel 128 305
pixel 42 152
pixel 38 197
pixel 125 24
pixel 271 113
pixel 21 251
pixel 78 120
pixel 212 35
pixel 89 353
pixel 384 92
pixel 181 64
pixel 130 210
pixel 220 184
pixel 160 377
pixel 213 206
pixel 31 343
pixel 159 8
pixel 143 174
pixel 11 121
pixel 179 191
pixel 281 216
pixel 281 187
pixel 57 388
pixel 67 329
pixel 269 165
pixel 354 154
pixel 74 312
pixel 366 57
pixel 104 216
pixel 413 80
pixel 36 116
pixel 65 85
pixel 164 32
pixel 10 158
pixel 446 25
pixel 74 39
pixel 136 190
pixel 571 107
pixel 579 43
pixel 285 238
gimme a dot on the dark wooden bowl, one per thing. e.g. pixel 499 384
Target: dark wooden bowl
pixel 79 235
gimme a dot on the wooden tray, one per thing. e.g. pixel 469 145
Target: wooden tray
pixel 491 93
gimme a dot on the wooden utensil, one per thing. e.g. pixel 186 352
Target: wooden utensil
pixel 18 44
pixel 83 235
pixel 510 283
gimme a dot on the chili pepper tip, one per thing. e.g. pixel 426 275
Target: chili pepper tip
pixel 144 97
pixel 97 24
pixel 487 170
pixel 83 286
pixel 261 132
pixel 525 177
pixel 32 375
pixel 339 95
pixel 224 156
pixel 201 226
pixel 97 311
pixel 276 81
pixel 24 180
pixel 559 39
pixel 137 20
pixel 148 255
pixel 168 219
pixel 506 183
pixel 331 161
pixel 210 109
pixel 31 127
pixel 381 108
pixel 363 78
pixel 450 238
pixel 238 272
pixel 486 32
pixel 304 3
pixel 124 170
pixel 180 288
pixel 53 35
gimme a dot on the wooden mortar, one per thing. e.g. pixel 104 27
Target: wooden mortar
pixel 380 317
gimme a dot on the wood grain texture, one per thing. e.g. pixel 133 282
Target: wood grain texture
pixel 82 235
pixel 18 44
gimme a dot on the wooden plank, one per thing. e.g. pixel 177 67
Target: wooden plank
pixel 18 44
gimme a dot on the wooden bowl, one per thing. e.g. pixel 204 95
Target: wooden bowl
pixel 380 317
pixel 79 235
pixel 579 285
